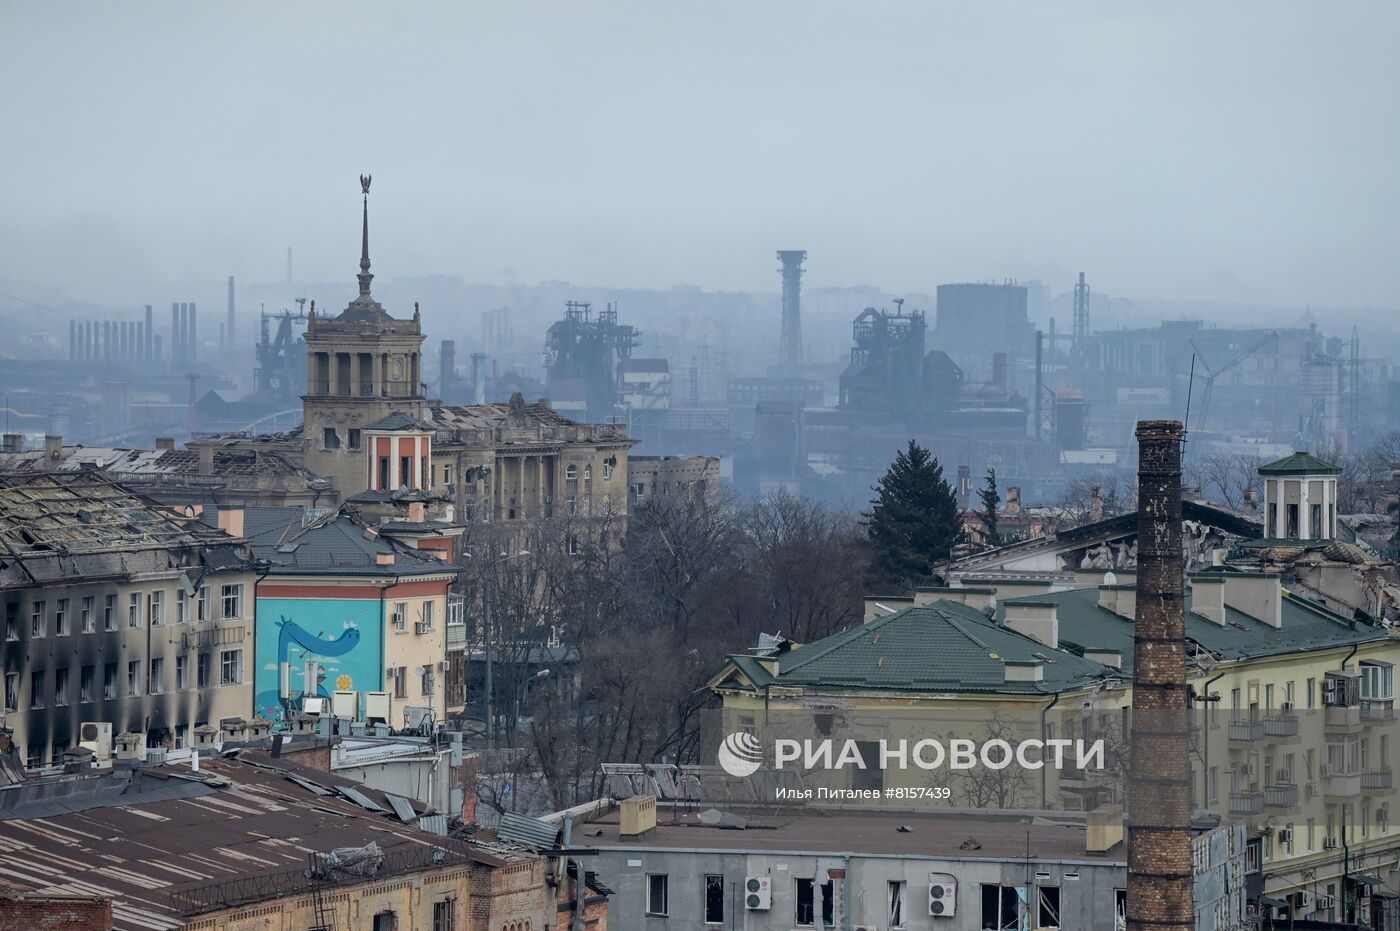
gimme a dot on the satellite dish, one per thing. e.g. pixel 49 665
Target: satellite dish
pixel 1110 579
pixel 420 670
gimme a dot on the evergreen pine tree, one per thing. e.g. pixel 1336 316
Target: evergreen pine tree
pixel 990 500
pixel 913 520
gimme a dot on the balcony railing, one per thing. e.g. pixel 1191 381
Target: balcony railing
pixel 1283 795
pixel 1342 716
pixel 1281 725
pixel 1377 780
pixel 1246 730
pixel 1246 803
pixel 1377 709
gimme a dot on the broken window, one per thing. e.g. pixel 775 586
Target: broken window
pixel 384 921
pixel 233 600
pixel 658 894
pixel 354 443
pixel 443 915
pixel 133 677
pixel 12 621
pixel 1120 909
pixel 38 621
pixel 11 691
pixel 829 903
pixel 1000 908
pixel 805 909
pixel 714 899
pixel 157 683
pixel 182 673
pixel 109 680
pixel 133 610
pixel 230 667
pixel 88 620
pixel 202 671
pixel 60 687
pixel 36 690
pixel 1047 906
pixel 60 617
pixel 330 439
pixel 896 900
pixel 85 684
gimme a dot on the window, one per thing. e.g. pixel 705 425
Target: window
pixel 384 921
pixel 60 617
pixel 829 903
pixel 447 475
pixel 201 609
pixel 571 544
pixel 157 683
pixel 1377 680
pixel 353 438
pixel 427 615
pixel 1211 784
pixel 60 687
pixel 896 900
pixel 109 612
pixel 38 621
pixel 588 473
pixel 714 899
pixel 658 894
pixel 607 469
pixel 230 667
pixel 201 671
pixel 1120 909
pixel 399 680
pixel 1253 855
pixel 405 471
pixel 157 608
pixel 571 473
pixel 331 440
pixel 428 682
pixel 456 612
pixel 182 736
pixel 805 906
pixel 109 681
pixel 182 606
pixel 133 677
pixel 1047 906
pixel 133 610
pixel 400 616
pixel 87 616
pixel 233 600
pixel 384 473
pixel 999 907
pixel 11 691
pixel 443 915
pixel 1291 511
pixel 1312 693
pixel 182 673
pixel 12 621
pixel 85 685
pixel 36 690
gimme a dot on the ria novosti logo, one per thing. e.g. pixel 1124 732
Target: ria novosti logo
pixel 740 754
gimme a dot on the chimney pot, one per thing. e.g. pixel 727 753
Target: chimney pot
pixel 165 442
pixel 206 460
pixel 53 449
pixel 14 443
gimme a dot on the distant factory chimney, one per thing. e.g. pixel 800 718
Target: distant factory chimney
pixel 192 336
pixel 790 344
pixel 1159 804
pixel 228 326
pixel 148 351
pixel 1081 317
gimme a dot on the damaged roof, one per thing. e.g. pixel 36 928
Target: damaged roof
pixel 299 541
pixel 243 831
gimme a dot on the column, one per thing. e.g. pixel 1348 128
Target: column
pixel 1280 510
pixel 1304 512
pixel 539 478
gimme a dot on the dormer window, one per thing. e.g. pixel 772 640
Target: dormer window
pixel 571 473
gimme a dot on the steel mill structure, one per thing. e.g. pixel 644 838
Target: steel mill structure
pixel 1159 803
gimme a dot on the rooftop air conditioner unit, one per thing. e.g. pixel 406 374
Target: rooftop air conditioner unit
pixel 758 893
pixel 97 737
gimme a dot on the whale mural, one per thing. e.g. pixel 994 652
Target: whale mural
pixel 337 642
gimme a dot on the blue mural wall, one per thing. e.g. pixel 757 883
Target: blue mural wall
pixel 345 637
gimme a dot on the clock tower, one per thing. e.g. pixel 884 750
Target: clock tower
pixel 362 365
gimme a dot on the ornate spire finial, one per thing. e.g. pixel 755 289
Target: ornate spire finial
pixel 364 276
pixel 415 310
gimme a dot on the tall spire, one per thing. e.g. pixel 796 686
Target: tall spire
pixel 365 276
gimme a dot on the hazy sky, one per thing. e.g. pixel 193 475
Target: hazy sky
pixel 1241 151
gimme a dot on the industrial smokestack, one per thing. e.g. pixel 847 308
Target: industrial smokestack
pixel 790 343
pixel 1159 804
pixel 148 351
pixel 174 333
pixel 228 325
pixel 193 335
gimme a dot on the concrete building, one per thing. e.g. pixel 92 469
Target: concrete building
pixel 258 841
pixel 761 870
pixel 348 616
pixel 1300 498
pixel 644 384
pixel 119 618
pixel 653 477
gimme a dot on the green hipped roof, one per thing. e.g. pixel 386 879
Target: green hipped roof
pixel 1084 626
pixel 944 646
pixel 1299 464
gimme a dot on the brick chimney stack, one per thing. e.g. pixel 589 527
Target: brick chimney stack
pixel 1159 804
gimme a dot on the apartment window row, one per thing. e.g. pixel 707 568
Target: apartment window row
pixel 152 683
pixel 149 607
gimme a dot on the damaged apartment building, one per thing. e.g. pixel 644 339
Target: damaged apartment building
pixel 118 617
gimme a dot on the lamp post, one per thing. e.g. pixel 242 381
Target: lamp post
pixel 486 606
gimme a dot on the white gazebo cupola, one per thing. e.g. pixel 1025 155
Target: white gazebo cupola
pixel 399 450
pixel 1300 498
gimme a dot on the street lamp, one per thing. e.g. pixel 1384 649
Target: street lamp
pixel 486 605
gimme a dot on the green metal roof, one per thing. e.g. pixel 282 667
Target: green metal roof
pixel 1299 464
pixel 1307 626
pixel 944 646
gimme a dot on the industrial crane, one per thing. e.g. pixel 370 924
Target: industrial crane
pixel 1212 374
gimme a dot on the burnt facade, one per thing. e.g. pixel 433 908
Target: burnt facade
pixel 116 613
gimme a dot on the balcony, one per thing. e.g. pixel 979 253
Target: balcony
pixel 1377 709
pixel 1281 726
pixel 1342 717
pixel 1246 803
pixel 1341 784
pixel 1245 730
pixel 1377 780
pixel 1283 795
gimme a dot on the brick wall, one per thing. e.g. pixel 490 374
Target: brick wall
pixel 54 913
